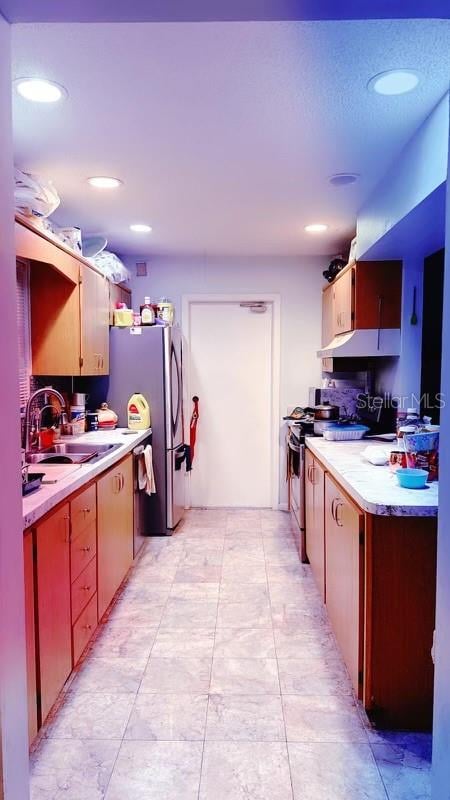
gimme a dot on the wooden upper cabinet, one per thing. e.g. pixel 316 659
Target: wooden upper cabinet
pixel 344 577
pixel 53 605
pixel 55 322
pixel 94 313
pixel 344 302
pixel 378 294
pixel 114 530
pixel 34 245
pixel 365 295
pixel 328 325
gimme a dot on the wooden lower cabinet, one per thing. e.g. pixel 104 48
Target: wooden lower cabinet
pixel 344 537
pixel 114 530
pixel 28 562
pixel 400 619
pixel 315 527
pixel 53 606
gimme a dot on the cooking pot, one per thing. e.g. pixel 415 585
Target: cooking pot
pixel 326 411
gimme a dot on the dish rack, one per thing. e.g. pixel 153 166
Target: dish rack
pixel 345 433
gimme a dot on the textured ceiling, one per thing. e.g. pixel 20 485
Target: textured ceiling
pixel 217 10
pixel 224 133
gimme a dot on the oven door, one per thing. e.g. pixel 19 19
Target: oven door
pixel 297 491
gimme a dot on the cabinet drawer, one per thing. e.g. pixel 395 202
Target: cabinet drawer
pixel 83 511
pixel 82 550
pixel 84 588
pixel 84 629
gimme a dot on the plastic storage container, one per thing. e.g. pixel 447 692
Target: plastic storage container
pixel 345 433
pixel 138 413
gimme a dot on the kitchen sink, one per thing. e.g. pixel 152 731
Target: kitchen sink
pixel 68 453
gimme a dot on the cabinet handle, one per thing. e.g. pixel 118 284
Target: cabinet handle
pixel 313 472
pixel 86 510
pixel 86 588
pixel 86 549
pixel 87 627
pixel 67 528
pixel 334 500
pixel 338 519
pixel 116 484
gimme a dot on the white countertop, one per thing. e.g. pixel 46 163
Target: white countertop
pixel 38 503
pixel 374 489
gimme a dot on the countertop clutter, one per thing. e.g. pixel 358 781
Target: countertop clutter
pixel 374 488
pixel 72 477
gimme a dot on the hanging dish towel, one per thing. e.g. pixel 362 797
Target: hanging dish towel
pixel 146 475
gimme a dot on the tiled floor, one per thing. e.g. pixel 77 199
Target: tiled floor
pixel 217 677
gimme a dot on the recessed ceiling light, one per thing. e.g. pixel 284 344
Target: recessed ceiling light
pixel 104 182
pixel 316 227
pixel 343 178
pixel 140 228
pixel 40 90
pixel 394 81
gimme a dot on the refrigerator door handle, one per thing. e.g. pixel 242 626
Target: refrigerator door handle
pixel 179 391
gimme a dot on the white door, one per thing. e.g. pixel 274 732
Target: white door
pixel 230 351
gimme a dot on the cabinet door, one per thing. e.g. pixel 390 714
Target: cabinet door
pixel 30 634
pixel 103 324
pixel 89 323
pixel 344 302
pixel 55 322
pixel 315 527
pixel 328 315
pixel 53 601
pixel 115 530
pixel 344 577
pixel 94 310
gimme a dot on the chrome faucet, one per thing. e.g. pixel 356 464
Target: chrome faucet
pixel 29 431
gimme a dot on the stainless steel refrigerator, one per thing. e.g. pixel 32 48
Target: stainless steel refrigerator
pixel 149 360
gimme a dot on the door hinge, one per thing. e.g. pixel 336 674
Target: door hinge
pixel 361 537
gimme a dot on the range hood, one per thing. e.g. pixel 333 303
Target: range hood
pixel 369 342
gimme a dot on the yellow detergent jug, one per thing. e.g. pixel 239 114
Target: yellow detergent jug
pixel 138 413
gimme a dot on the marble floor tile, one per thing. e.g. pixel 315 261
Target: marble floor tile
pixel 245 534
pixel 176 675
pixel 290 642
pixel 195 591
pixel 184 642
pixel 160 573
pixel 198 573
pixel 189 613
pixel 293 591
pixel 131 614
pixel 140 590
pixel 244 614
pixel 296 572
pixel 237 592
pixel 245 718
pixel 109 674
pixel 250 559
pixel 244 643
pixel 245 771
pixel 79 771
pixel 244 676
pixel 306 616
pixel 168 717
pixel 124 642
pixel 156 771
pixel 405 767
pixel 322 719
pixel 208 558
pixel 244 573
pixel 334 771
pixel 325 675
pixel 91 716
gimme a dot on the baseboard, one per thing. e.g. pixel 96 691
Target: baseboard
pixel 283 507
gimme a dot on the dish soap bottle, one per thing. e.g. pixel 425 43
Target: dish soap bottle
pixel 147 313
pixel 138 412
